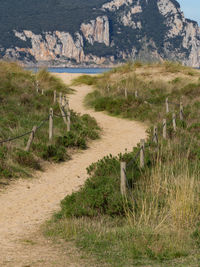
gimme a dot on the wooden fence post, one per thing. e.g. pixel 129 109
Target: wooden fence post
pixel 167 105
pixel 63 102
pixel 164 128
pixel 67 103
pixel 123 179
pixel 125 93
pixel 142 146
pixel 54 97
pixel 68 121
pixel 42 91
pixel 50 124
pixel 30 140
pixel 37 86
pixel 174 121
pixel 181 111
pixel 136 94
pixel 60 98
pixel 155 135
pixel 63 113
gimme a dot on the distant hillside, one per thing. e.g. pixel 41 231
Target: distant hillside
pixel 105 32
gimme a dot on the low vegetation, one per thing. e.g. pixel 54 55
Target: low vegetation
pixel 153 83
pixel 21 108
pixel 158 222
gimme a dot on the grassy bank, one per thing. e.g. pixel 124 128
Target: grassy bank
pixel 152 82
pixel 21 108
pixel 158 223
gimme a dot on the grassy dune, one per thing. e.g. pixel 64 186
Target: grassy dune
pixel 21 108
pixel 152 82
pixel 158 223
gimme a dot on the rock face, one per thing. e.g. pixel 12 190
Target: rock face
pixel 117 30
pixel 97 31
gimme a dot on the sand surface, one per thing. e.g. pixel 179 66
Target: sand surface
pixel 26 204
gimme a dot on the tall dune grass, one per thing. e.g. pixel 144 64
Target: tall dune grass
pixel 169 199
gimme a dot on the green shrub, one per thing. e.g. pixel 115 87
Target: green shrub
pixel 5 170
pixel 100 194
pixel 26 159
pixel 191 90
pixel 55 153
pixel 3 152
pixel 85 79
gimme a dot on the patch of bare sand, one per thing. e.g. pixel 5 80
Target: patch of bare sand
pixel 26 204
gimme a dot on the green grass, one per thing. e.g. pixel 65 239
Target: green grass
pixel 85 79
pixel 150 104
pixel 157 224
pixel 115 243
pixel 21 108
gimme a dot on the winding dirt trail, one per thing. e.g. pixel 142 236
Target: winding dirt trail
pixel 26 204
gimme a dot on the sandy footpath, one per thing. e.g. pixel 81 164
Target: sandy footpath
pixel 26 204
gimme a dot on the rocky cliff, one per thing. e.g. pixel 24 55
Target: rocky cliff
pixel 113 31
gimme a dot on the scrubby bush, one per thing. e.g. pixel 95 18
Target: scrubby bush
pixel 27 159
pixel 100 194
pixel 22 107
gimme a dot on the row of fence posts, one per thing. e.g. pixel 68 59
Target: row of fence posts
pixel 63 105
pixel 123 187
pixel 125 92
pixel 136 96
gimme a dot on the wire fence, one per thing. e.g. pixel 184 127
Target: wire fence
pixel 63 102
pixel 138 159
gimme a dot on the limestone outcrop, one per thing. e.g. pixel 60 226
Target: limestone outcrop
pixel 119 30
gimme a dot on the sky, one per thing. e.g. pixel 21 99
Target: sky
pixel 191 9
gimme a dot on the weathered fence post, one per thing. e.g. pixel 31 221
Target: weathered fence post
pixel 155 135
pixel 136 94
pixel 125 93
pixel 50 124
pixel 174 121
pixel 167 105
pixel 30 140
pixel 37 86
pixel 42 91
pixel 181 111
pixel 66 103
pixel 164 128
pixel 123 179
pixel 142 146
pixel 63 102
pixel 68 121
pixel 54 97
pixel 60 98
pixel 63 113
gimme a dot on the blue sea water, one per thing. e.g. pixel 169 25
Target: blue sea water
pixel 75 70
pixel 79 70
